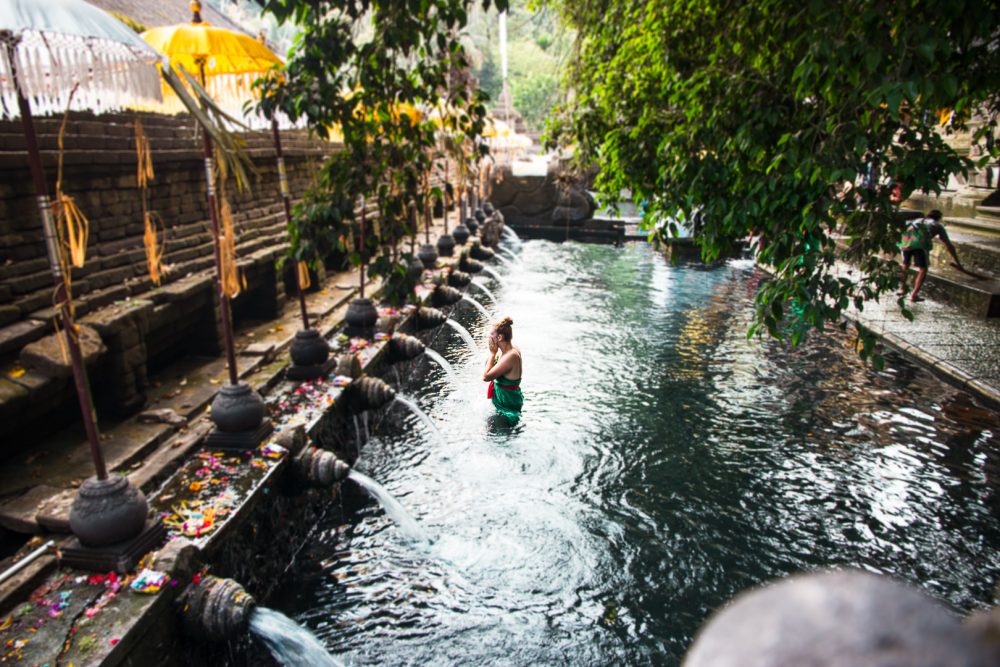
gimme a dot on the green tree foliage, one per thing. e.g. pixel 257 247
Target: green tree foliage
pixel 754 116
pixel 537 48
pixel 372 71
pixel 490 81
pixel 535 96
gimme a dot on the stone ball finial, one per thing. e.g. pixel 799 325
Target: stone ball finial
pixel 835 619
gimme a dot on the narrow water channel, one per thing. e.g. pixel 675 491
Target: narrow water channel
pixel 663 464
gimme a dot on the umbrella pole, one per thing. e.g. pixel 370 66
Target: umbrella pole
pixel 415 225
pixel 427 211
pixel 476 204
pixel 227 325
pixel 62 297
pixel 287 200
pixel 361 287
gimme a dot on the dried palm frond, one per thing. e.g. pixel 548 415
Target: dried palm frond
pixel 154 240
pixel 231 146
pixel 303 276
pixel 144 170
pixel 155 234
pixel 73 226
pixel 72 231
pixel 231 282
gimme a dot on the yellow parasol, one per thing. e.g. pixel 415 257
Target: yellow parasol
pixel 490 129
pixel 227 62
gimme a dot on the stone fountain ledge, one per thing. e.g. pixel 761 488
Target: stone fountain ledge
pixel 960 349
pixel 155 449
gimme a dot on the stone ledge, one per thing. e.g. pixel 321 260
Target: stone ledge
pixel 944 370
pixel 50 356
pixel 18 514
pixel 16 336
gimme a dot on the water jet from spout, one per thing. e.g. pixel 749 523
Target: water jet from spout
pixel 482 309
pixel 289 643
pixel 443 363
pixel 496 276
pixel 464 333
pixel 408 526
pixel 486 291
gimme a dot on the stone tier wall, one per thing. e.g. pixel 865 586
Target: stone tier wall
pixel 142 327
pixel 539 201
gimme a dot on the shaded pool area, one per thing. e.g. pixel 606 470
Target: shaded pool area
pixel 663 464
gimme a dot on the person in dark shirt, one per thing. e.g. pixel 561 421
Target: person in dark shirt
pixel 916 246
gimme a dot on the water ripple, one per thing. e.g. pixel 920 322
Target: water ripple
pixel 664 463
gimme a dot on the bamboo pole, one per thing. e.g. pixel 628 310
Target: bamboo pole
pixel 224 307
pixel 286 198
pixel 62 297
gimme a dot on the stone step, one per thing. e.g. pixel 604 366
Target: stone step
pixel 978 297
pixel 977 253
pixel 974 225
pixel 988 213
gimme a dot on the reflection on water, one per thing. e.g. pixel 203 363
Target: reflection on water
pixel 663 463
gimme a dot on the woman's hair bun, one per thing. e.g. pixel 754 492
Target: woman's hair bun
pixel 503 328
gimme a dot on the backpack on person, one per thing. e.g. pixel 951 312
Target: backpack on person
pixel 917 235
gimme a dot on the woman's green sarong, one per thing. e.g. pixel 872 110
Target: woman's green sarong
pixel 508 399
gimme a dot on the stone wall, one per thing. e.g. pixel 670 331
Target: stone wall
pixel 556 206
pixel 142 327
pixel 542 201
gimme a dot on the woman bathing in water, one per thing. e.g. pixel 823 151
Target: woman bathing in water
pixel 504 374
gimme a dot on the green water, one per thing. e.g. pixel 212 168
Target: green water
pixel 663 464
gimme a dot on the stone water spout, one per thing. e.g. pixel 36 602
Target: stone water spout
pixel 481 252
pixel 404 348
pixel 321 467
pixel 429 318
pixel 459 278
pixel 368 393
pixel 217 609
pixel 445 296
pixel 469 265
